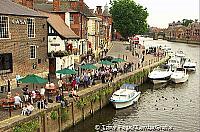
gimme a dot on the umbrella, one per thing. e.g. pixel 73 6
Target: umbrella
pixel 105 62
pixel 88 66
pixel 33 79
pixel 117 60
pixel 66 71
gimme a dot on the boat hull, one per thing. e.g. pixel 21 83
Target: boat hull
pixel 190 68
pixel 180 80
pixel 160 80
pixel 120 105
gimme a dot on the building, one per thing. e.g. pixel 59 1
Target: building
pixel 107 22
pixel 72 13
pixel 60 38
pixel 105 28
pixel 23 41
pixel 93 34
pixel 176 31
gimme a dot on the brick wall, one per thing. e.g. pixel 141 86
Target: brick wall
pixel 19 46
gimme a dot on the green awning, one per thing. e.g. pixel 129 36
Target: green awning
pixel 66 71
pixel 34 79
pixel 88 66
pixel 105 62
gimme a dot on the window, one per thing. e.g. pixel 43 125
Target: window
pixel 6 63
pixel 32 52
pixel 31 27
pixel 71 19
pixel 51 30
pixel 4 27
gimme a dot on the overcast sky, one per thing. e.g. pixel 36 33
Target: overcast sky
pixel 162 12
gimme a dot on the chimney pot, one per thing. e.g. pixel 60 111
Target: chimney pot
pixel 56 5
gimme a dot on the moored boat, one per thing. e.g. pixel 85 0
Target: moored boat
pixel 125 96
pixel 180 54
pixel 179 76
pixel 161 74
pixel 189 65
pixel 175 62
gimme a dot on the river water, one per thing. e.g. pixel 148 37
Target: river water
pixel 174 107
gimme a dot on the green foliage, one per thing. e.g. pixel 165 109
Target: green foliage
pixel 108 91
pixel 128 17
pixel 94 97
pixel 31 126
pixel 54 115
pixel 81 103
pixel 186 22
pixel 64 114
pixel 101 93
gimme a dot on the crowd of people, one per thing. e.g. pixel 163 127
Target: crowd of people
pixel 28 98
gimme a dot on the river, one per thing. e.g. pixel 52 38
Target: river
pixel 173 107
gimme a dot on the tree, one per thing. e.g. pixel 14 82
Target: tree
pixel 186 22
pixel 128 17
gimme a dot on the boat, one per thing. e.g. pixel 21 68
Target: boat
pixel 170 53
pixel 166 48
pixel 189 65
pixel 175 62
pixel 179 76
pixel 180 54
pixel 160 74
pixel 125 96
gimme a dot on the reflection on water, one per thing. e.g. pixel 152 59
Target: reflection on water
pixel 175 105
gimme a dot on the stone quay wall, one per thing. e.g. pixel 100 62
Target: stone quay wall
pixel 57 119
pixel 185 41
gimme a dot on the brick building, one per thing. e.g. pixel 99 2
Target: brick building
pixel 23 41
pixel 72 12
pixel 176 31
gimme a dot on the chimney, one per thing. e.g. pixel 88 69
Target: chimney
pixel 81 3
pixel 29 4
pixel 17 1
pixel 99 10
pixel 56 5
pixel 24 2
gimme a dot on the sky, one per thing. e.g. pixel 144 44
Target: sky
pixel 162 12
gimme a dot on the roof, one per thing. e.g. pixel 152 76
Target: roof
pixel 48 7
pixel 87 11
pixel 59 25
pixel 106 13
pixel 8 7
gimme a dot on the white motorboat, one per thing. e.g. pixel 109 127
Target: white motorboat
pixel 125 96
pixel 175 62
pixel 189 65
pixel 166 48
pixel 161 74
pixel 179 76
pixel 180 54
pixel 170 53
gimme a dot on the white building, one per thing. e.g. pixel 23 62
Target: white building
pixel 60 39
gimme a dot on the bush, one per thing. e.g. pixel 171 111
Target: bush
pixel 54 115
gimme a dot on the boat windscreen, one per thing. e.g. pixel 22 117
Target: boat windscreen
pixel 128 86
